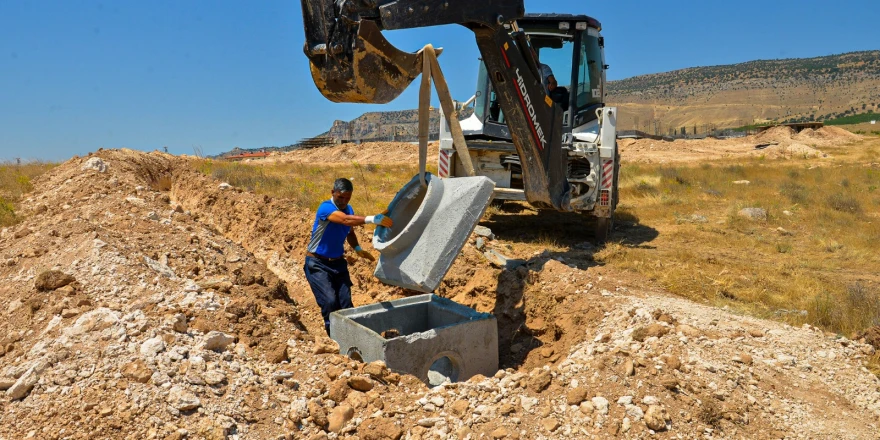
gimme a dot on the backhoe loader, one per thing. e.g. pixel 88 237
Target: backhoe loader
pixel 554 147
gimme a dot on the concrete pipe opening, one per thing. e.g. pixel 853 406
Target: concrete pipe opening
pixel 411 209
pixel 355 354
pixel 443 370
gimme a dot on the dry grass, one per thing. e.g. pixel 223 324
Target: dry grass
pixel 309 185
pixel 15 181
pixel 813 260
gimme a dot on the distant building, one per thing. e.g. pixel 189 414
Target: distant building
pixel 243 156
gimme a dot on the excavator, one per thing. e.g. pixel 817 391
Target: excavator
pixel 552 146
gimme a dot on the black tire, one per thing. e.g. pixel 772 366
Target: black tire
pixel 604 225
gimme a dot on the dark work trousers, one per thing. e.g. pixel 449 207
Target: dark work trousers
pixel 330 284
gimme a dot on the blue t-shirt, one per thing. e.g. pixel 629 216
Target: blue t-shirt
pixel 328 238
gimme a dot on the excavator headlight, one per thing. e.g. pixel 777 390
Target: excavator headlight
pixel 564 25
pixel 580 26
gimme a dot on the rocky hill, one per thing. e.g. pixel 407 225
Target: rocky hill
pixel 791 90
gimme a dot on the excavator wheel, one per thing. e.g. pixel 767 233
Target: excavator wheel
pixel 603 229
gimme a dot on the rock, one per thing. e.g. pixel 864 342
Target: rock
pixel 178 323
pixel 539 381
pixel 743 358
pixel 634 412
pixel 217 341
pixel 496 258
pixel 550 424
pixel 482 231
pixel 500 433
pixel 787 213
pixel 224 186
pixel 23 386
pixel 152 347
pixel 459 407
pixel 319 436
pixel 339 417
pixel 323 346
pixel 437 401
pixel 625 425
pixel 339 390
pixel 214 377
pixel 656 417
pixel 429 422
pixel 741 182
pixel 669 382
pixel 377 370
pixel 360 383
pixel 575 396
pixel 182 400
pixel 756 214
pixel 480 243
pixel 299 410
pixel 628 367
pixel 783 231
pixel 672 362
pixel 380 429
pixel 69 313
pixel 277 354
pixel 51 280
pixel 317 413
pixel 652 330
pixel 528 403
pixel 755 333
pixel 6 383
pixel 137 371
pixel 94 163
pixel 547 352
pixel 689 331
pixel 650 400
pixel 600 404
pixel 161 269
pixel 625 400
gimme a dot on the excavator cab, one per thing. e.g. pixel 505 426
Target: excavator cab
pixel 573 50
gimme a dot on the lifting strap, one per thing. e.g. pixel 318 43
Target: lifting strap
pixel 431 70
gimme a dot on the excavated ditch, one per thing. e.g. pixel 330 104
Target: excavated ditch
pixel 143 299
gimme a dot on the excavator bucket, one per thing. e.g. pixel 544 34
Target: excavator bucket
pixel 431 225
pixel 371 71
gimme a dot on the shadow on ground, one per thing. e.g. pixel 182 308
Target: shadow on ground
pixel 572 237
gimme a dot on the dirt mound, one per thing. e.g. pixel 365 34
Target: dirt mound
pixel 780 134
pixel 365 153
pixel 184 313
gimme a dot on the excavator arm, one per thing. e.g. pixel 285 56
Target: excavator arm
pixel 351 61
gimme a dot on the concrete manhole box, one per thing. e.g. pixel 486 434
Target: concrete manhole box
pixel 432 338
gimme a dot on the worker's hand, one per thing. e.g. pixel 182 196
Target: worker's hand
pixel 364 254
pixel 379 219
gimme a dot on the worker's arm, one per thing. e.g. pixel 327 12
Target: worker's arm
pixel 353 242
pixel 356 220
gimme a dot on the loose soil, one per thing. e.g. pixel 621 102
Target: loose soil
pixel 188 316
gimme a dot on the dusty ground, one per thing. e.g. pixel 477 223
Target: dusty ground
pixel 778 142
pixel 179 310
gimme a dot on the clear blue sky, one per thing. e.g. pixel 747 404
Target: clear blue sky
pixel 77 75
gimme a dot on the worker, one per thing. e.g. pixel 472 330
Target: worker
pixel 548 80
pixel 325 269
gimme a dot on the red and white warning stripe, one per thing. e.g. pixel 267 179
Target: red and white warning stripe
pixel 607 174
pixel 443 166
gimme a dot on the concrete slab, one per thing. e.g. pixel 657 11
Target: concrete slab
pixel 438 340
pixel 431 226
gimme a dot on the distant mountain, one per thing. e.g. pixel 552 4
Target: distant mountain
pixel 788 90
